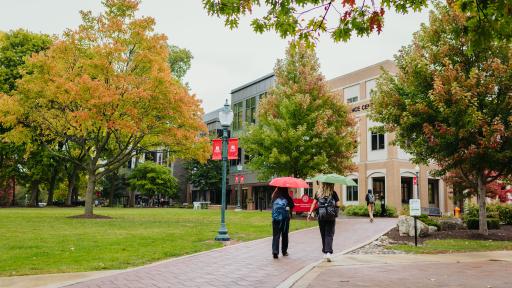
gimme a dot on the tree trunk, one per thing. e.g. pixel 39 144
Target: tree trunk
pixel 34 193
pixel 481 203
pixel 75 188
pixel 51 188
pixel 89 194
pixel 111 196
pixel 13 181
pixel 71 186
pixel 131 198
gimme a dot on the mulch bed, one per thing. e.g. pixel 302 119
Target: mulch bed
pixel 503 234
pixel 90 217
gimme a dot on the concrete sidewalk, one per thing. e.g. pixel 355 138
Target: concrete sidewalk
pixel 481 269
pixel 247 264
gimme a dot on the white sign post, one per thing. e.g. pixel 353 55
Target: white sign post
pixel 414 207
pixel 415 211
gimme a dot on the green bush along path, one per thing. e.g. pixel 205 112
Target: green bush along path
pixel 39 241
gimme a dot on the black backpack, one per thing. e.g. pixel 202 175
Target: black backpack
pixel 327 209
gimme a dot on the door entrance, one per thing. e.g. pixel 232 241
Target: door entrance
pixel 433 193
pixel 379 187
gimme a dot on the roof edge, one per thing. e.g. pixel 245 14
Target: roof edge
pixel 253 82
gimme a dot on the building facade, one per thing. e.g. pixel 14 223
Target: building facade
pixel 254 193
pixel 384 168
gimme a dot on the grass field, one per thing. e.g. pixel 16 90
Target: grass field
pixel 38 241
pixel 454 246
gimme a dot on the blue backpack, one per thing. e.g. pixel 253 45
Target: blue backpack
pixel 279 211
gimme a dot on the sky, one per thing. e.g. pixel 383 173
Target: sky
pixel 223 59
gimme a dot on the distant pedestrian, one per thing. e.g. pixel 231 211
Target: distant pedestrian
pixel 282 205
pixel 370 203
pixel 328 207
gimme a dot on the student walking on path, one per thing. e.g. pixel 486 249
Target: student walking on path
pixel 328 203
pixel 282 205
pixel 370 203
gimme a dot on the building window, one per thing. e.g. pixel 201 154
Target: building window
pixel 353 193
pixel 370 86
pixel 237 115
pixel 250 110
pixel 263 95
pixel 377 141
pixel 351 94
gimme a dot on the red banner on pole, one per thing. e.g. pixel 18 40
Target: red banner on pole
pixel 233 148
pixel 236 179
pixel 217 149
pixel 241 178
pixel 414 180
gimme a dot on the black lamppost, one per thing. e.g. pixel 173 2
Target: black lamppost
pixel 225 119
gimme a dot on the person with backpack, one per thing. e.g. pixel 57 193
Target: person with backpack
pixel 370 203
pixel 328 203
pixel 282 205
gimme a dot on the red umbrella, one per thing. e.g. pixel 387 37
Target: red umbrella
pixel 289 182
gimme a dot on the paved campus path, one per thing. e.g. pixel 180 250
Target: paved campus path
pixel 244 265
pixel 466 270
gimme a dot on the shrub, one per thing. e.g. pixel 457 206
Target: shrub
pixel 503 212
pixel 429 221
pixel 404 210
pixel 492 223
pixel 356 210
pixel 362 210
pixel 496 211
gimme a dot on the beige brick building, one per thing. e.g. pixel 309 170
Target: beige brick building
pixel 380 166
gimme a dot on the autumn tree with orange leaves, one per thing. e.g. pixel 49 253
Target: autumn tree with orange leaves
pixel 104 90
pixel 450 102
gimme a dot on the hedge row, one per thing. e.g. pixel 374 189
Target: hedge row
pixel 362 210
pixel 502 212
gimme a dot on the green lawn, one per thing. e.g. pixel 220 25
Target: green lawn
pixel 454 246
pixel 38 241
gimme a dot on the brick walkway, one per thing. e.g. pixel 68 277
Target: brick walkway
pixel 244 265
pixel 458 270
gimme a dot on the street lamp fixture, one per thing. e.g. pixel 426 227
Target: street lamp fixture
pixel 225 119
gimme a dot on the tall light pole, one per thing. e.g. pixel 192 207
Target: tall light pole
pixel 225 119
pixel 238 180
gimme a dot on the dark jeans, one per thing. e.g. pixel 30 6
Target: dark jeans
pixel 327 228
pixel 280 229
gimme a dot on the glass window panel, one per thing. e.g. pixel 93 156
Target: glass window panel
pixel 351 93
pixel 370 86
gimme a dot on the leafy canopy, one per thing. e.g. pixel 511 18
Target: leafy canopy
pixel 341 19
pixel 152 179
pixel 446 105
pixel 303 128
pixel 180 61
pixel 204 176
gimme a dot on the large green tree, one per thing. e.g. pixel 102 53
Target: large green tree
pixel 303 128
pixel 15 48
pixel 106 89
pixel 204 176
pixel 151 179
pixel 308 19
pixel 450 103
